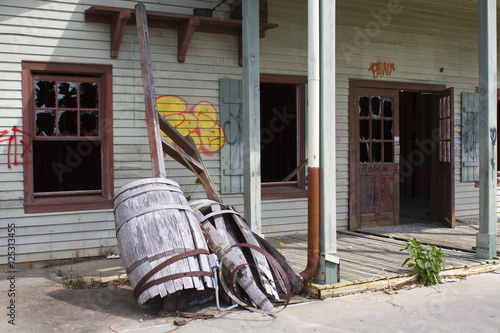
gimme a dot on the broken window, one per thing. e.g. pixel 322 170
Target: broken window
pixel 70 161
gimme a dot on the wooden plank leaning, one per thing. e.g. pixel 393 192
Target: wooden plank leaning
pixel 152 116
pixel 185 150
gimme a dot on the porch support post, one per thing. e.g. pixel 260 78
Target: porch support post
pixel 328 261
pixel 486 239
pixel 251 114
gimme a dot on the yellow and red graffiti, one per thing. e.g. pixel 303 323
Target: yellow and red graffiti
pixel 380 68
pixel 200 122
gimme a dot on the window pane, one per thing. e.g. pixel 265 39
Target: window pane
pixel 89 121
pixel 387 107
pixel 66 97
pixel 376 152
pixel 376 106
pixel 376 129
pixel 66 166
pixel 45 122
pixel 45 96
pixel 68 125
pixel 89 95
pixel 364 106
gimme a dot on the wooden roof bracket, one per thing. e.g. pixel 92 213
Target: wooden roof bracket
pixel 184 36
pixel 117 27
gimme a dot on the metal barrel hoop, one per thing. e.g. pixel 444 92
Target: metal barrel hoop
pixel 271 261
pixel 143 286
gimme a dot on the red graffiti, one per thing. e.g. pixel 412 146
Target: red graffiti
pixel 12 140
pixel 380 68
pixel 387 188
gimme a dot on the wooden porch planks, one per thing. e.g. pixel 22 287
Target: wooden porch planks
pixel 462 237
pixel 367 257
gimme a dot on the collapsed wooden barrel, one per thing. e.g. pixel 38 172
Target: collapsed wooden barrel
pixel 160 240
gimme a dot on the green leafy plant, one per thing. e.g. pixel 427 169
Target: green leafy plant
pixel 428 262
pixel 188 196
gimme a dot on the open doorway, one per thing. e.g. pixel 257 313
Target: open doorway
pixel 401 160
pixel 416 156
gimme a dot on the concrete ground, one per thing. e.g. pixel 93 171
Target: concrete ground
pixel 41 304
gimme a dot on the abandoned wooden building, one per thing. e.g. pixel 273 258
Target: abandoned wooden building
pixel 404 113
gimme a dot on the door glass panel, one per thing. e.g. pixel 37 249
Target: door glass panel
pixel 364 106
pixel 377 152
pixel 364 129
pixel 388 152
pixel 388 131
pixel 376 129
pixel 387 107
pixel 376 106
pixel 364 155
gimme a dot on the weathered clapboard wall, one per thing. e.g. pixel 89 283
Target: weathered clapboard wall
pixel 419 38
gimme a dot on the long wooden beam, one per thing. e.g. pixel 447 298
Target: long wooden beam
pixel 152 117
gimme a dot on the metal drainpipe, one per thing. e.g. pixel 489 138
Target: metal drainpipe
pixel 313 141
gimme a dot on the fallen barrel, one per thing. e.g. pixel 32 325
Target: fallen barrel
pixel 160 240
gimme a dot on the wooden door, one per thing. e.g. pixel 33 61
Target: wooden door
pixel 443 184
pixel 374 158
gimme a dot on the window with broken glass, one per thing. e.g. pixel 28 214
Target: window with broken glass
pixel 69 166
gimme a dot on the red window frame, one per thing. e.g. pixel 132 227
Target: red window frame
pixel 68 200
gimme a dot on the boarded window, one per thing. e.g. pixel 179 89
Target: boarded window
pixel 470 136
pixel 231 115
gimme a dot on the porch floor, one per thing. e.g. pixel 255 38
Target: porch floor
pixel 370 258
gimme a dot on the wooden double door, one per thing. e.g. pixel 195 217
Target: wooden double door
pixel 374 157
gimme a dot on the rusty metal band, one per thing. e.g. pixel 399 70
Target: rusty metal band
pixel 141 285
pixel 271 260
pixel 149 259
pixel 221 212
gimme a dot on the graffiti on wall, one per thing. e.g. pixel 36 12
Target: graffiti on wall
pixel 13 139
pixel 200 122
pixel 380 68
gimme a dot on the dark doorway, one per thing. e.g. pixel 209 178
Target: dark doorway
pixel 417 148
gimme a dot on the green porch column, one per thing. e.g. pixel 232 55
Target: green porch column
pixel 486 240
pixel 251 114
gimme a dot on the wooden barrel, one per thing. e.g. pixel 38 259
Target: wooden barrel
pixel 161 242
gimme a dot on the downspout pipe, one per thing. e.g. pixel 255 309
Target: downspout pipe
pixel 313 128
